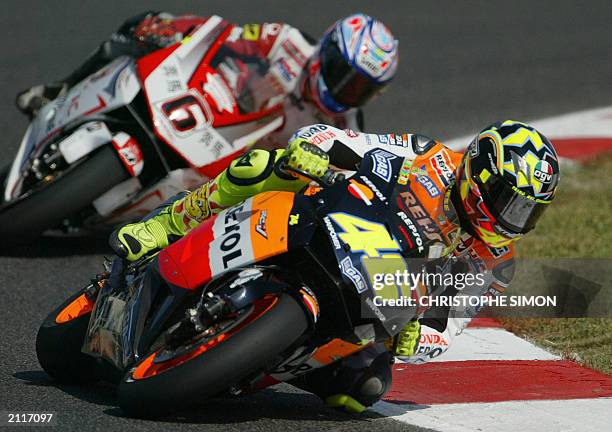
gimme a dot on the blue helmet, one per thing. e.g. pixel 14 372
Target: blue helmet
pixel 358 57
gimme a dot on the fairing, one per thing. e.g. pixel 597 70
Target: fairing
pixel 197 108
pixel 278 231
pixel 241 235
pixel 111 87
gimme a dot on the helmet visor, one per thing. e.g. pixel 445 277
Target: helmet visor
pixel 514 211
pixel 347 85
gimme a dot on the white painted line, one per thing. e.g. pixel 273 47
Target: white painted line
pixel 580 415
pixel 251 138
pixel 482 343
pixel 459 144
pixel 593 123
pixel 492 344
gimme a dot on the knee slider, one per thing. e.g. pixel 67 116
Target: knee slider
pixel 373 382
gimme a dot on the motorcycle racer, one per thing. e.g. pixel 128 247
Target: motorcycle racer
pixel 476 204
pixel 318 82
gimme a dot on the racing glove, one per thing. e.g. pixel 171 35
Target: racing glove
pixel 407 341
pixel 306 157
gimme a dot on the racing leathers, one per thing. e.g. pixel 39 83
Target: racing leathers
pixel 429 200
pixel 425 197
pixel 282 54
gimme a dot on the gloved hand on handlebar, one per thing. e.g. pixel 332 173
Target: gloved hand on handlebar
pixel 307 157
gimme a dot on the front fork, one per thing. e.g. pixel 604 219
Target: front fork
pixel 238 293
pixel 97 283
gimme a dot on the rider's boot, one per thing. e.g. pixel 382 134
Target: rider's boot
pixel 30 101
pixel 133 241
pixel 254 172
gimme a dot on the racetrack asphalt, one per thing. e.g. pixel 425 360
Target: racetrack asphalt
pixel 462 66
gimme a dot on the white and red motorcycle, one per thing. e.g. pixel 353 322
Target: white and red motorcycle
pixel 135 133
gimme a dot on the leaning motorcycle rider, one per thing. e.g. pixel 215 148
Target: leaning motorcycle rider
pixel 479 203
pixel 322 81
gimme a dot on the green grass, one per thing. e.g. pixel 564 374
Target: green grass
pixel 585 340
pixel 577 225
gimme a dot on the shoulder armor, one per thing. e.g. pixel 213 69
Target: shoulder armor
pixel 421 144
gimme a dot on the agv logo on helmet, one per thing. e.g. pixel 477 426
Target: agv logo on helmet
pixel 543 172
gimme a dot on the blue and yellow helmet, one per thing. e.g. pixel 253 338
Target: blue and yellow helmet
pixel 508 177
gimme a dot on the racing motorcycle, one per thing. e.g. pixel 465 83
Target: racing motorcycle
pixel 135 133
pixel 272 288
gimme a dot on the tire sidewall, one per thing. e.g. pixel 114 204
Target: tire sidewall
pixel 252 349
pixel 58 347
pixel 24 218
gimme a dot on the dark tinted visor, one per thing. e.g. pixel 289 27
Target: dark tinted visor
pixel 346 84
pixel 515 212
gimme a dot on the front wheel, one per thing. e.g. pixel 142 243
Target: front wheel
pixel 59 341
pixel 28 216
pixel 162 383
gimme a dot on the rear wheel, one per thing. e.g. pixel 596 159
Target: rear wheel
pixel 164 381
pixel 28 216
pixel 59 341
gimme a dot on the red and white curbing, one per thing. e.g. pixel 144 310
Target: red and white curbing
pixel 576 136
pixel 492 380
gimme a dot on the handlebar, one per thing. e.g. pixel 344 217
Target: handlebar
pixel 326 180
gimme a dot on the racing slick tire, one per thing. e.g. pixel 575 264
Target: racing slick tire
pixel 248 351
pixel 25 218
pixel 59 341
